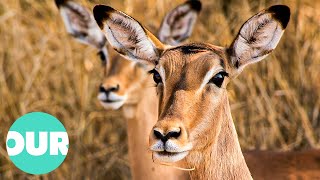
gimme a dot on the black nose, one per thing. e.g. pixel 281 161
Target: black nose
pixel 110 89
pixel 165 138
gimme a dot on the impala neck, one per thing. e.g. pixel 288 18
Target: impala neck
pixel 222 159
pixel 140 120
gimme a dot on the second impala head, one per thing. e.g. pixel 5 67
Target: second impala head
pixel 121 84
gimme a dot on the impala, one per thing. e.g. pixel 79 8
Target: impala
pixel 127 85
pixel 195 126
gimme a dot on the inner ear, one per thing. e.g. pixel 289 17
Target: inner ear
pixel 80 23
pixel 127 36
pixel 259 36
pixel 178 24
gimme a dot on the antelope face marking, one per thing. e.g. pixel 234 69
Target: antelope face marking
pixel 191 90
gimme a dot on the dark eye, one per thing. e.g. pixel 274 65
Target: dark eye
pixel 102 56
pixel 156 76
pixel 218 78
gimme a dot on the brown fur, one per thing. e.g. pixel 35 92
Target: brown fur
pixel 216 152
pixel 126 83
pixel 288 165
pixel 262 164
pixel 192 106
pixel 141 113
pixel 127 75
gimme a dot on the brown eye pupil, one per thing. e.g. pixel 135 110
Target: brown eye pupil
pixel 218 79
pixel 156 77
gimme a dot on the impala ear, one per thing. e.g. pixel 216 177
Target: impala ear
pixel 127 36
pixel 80 23
pixel 259 36
pixel 178 24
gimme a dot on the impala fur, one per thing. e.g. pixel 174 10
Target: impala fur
pixel 126 85
pixel 289 165
pixel 195 126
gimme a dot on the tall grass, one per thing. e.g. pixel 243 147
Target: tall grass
pixel 275 104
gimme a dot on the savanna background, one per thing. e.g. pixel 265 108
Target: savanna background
pixel 275 103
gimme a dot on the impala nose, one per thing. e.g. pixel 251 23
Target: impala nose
pixel 165 137
pixel 109 89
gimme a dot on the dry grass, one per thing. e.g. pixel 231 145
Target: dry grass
pixel 275 104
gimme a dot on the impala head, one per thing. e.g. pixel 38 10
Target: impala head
pixel 192 78
pixel 124 79
pixel 121 81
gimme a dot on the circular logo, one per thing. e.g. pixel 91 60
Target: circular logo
pixel 37 143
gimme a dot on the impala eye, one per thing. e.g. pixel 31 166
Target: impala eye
pixel 156 76
pixel 218 78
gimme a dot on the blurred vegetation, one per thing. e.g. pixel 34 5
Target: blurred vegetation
pixel 275 104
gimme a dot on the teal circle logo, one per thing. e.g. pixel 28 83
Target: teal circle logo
pixel 37 143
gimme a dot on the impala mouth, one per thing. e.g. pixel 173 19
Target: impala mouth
pixel 170 157
pixel 114 105
pixel 169 151
pixel 111 101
